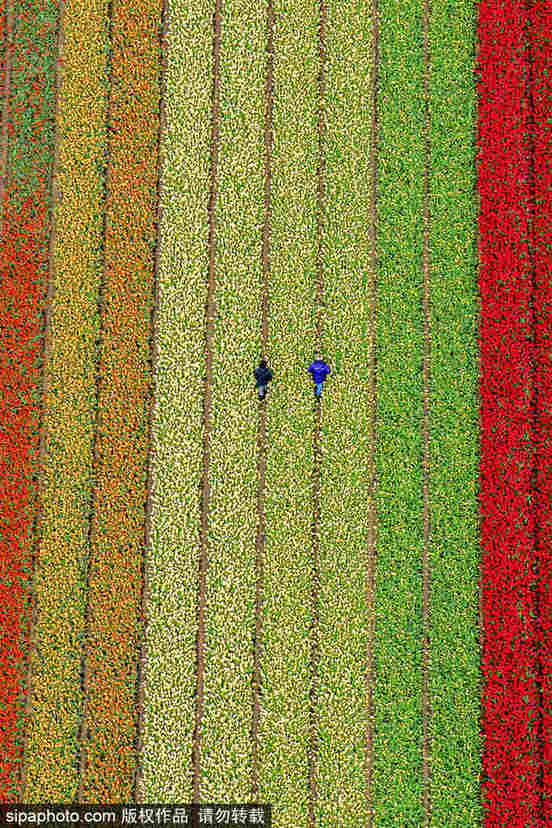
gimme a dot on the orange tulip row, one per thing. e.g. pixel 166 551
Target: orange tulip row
pixel 70 410
pixel 119 497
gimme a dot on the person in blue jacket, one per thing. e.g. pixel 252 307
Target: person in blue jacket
pixel 319 370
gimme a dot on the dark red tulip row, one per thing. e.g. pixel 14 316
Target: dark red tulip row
pixel 516 397
pixel 541 102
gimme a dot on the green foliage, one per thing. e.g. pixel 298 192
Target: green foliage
pixel 397 791
pixel 453 422
pixel 455 679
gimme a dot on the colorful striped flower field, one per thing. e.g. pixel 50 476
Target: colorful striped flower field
pixel 340 605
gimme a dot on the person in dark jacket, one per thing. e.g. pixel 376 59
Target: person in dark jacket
pixel 319 370
pixel 263 375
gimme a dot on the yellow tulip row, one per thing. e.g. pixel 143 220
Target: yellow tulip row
pixel 231 575
pixel 347 552
pixel 285 726
pixel 69 417
pixel 172 561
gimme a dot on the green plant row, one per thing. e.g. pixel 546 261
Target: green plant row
pixel 172 555
pixel 453 561
pixel 398 764
pixel 455 650
pixel 32 92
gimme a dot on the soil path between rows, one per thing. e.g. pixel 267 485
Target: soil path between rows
pixel 317 454
pixel 261 440
pixel 426 702
pixel 372 527
pixel 154 355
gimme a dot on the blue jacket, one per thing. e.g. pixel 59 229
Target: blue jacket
pixel 319 370
pixel 262 375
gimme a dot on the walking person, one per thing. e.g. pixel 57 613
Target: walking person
pixel 319 370
pixel 263 375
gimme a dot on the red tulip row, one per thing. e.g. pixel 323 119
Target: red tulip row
pixel 540 17
pixel 514 400
pixel 23 278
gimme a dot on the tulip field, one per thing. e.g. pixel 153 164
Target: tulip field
pixel 339 606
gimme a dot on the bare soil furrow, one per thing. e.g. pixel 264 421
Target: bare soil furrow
pixel 317 465
pixel 261 445
pixel 372 528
